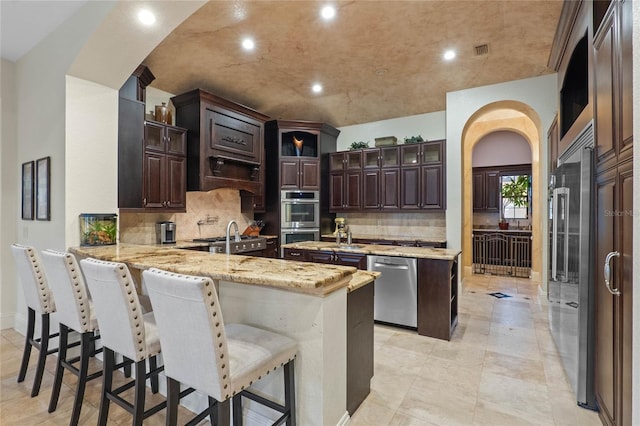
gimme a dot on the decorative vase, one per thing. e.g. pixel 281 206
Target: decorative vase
pixel 161 112
pixel 297 143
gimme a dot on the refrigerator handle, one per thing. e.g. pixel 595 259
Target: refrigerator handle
pixel 607 273
pixel 554 238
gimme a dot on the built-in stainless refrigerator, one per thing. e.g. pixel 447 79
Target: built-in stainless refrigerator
pixel 571 233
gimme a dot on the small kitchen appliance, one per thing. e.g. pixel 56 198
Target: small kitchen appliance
pixel 166 232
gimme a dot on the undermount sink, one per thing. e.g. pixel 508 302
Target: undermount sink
pixel 345 246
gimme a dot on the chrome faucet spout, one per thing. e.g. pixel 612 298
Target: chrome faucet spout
pixel 236 233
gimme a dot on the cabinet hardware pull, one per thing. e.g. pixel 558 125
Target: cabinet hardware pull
pixel 144 201
pixel 607 273
pixel 168 203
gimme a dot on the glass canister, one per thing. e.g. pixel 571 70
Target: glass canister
pixel 98 229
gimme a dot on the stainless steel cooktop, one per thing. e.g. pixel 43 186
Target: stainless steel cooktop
pixel 246 244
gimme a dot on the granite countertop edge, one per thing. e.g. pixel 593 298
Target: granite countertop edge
pixel 311 278
pixel 376 249
pixel 392 238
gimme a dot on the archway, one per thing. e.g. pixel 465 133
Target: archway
pixel 522 119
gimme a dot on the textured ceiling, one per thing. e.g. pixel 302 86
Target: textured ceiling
pixel 375 59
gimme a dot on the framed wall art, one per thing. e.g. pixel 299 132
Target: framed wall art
pixel 43 187
pixel 27 190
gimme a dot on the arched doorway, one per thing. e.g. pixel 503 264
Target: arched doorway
pixel 519 118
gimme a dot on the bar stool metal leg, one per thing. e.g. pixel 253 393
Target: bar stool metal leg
pixel 31 323
pixel 237 410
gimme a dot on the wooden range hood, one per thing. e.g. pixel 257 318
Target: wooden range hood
pixel 225 146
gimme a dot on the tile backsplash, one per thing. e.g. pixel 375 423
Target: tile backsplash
pixel 207 216
pixel 423 225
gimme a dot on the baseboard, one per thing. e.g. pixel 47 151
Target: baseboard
pixel 345 420
pixel 7 321
pixel 20 323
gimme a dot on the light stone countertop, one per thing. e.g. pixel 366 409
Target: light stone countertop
pixel 361 278
pixel 312 278
pixel 383 250
pixel 392 238
pixel 517 231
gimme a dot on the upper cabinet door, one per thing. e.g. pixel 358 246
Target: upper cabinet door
pixel 431 153
pixel 289 174
pixel 410 154
pixel 176 141
pixel 309 174
pixel 604 58
pixel 154 136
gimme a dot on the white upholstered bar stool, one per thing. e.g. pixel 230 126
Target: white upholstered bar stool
pixel 124 329
pixel 39 299
pixel 75 313
pixel 221 361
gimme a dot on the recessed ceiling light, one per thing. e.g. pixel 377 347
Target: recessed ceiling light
pixel 316 88
pixel 449 55
pixel 146 17
pixel 328 12
pixel 381 71
pixel 248 44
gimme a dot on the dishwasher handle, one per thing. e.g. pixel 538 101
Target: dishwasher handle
pixel 390 266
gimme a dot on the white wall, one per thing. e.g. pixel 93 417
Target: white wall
pixel 430 126
pixel 540 93
pixel 84 165
pixel 501 148
pixel 10 208
pixel 91 153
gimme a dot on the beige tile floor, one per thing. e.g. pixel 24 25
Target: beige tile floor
pixel 500 368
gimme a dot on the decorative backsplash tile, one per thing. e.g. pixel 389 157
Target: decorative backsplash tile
pixel 207 216
pixel 423 225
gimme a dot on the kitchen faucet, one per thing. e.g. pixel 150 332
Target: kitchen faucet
pixel 237 235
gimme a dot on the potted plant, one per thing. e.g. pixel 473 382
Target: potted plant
pixel 359 145
pixel 514 192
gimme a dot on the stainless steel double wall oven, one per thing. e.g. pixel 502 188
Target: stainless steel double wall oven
pixel 300 216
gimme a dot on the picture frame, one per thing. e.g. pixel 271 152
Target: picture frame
pixel 43 188
pixel 27 190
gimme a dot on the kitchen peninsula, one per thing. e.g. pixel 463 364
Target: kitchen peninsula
pixel 300 300
pixel 436 274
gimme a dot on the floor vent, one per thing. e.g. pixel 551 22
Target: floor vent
pixel 481 49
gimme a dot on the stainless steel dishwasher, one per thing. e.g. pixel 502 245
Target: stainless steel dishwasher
pixel 396 290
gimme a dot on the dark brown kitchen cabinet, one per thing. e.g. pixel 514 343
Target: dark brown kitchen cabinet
pixel 272 248
pixel 359 345
pixel 225 143
pixel 381 179
pixel 422 188
pixel 344 191
pixel 298 173
pixel 297 159
pixel 164 169
pixel 437 297
pixel 345 181
pixel 614 223
pixel 151 170
pixel 486 190
pixel 422 180
pixel 381 189
pixel 356 260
